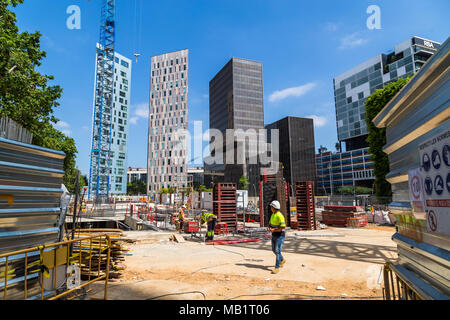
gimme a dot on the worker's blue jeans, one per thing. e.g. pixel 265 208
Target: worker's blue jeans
pixel 277 243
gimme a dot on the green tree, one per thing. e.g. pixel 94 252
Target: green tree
pixel 377 137
pixel 136 187
pixel 337 146
pixel 161 192
pixel 243 183
pixel 354 190
pixel 25 95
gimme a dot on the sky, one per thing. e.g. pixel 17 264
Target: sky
pixel 302 45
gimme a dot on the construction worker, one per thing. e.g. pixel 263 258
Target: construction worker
pixel 277 226
pixel 181 217
pixel 210 220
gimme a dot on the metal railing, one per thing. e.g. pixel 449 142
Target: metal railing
pixel 38 271
pixel 397 288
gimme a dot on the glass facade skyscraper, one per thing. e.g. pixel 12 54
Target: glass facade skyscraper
pixel 296 148
pixel 352 88
pixel 236 102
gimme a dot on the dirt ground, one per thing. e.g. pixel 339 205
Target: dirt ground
pixel 346 263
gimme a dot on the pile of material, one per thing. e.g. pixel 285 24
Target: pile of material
pixel 95 265
pixel 344 216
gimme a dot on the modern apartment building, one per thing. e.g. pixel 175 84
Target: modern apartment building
pixel 345 169
pixel 352 88
pixel 168 121
pixel 195 176
pixel 137 174
pixel 296 148
pixel 236 102
pixel 114 129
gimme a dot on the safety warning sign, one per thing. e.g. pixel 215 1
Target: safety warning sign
pixel 435 175
pixel 416 193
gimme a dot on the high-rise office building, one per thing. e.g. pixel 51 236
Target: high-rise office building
pixel 352 88
pixel 296 148
pixel 114 129
pixel 168 121
pixel 236 102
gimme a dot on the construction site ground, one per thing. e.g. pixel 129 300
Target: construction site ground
pixel 332 263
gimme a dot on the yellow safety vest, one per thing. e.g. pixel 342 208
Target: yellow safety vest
pixel 206 216
pixel 277 220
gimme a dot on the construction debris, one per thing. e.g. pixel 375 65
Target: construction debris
pixel 94 259
pixel 177 238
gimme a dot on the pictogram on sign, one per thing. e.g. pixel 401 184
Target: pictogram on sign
pixel 415 187
pixel 432 220
pixel 426 162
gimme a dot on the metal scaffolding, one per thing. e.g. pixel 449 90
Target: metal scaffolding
pixel 99 182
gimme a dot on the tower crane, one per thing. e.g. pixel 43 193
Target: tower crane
pixel 100 171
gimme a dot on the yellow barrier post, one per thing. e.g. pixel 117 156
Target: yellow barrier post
pixel 26 274
pixel 107 267
pixel 6 278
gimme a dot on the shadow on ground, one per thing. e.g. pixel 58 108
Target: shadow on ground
pixel 330 249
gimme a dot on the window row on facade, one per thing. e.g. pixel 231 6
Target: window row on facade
pixel 169 62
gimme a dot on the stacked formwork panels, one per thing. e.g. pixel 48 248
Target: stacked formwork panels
pixel 224 204
pixel 30 197
pixel 304 194
pixel 269 194
pixel 344 216
pixel 274 191
pixel 274 188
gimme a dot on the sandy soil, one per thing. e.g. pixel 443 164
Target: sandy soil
pixel 347 263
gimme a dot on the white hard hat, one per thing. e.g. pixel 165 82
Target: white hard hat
pixel 184 206
pixel 275 204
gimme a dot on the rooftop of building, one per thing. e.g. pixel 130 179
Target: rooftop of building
pixel 377 58
pixel 421 78
pixel 168 53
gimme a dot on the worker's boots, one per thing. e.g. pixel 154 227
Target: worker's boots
pixel 275 270
pixel 282 263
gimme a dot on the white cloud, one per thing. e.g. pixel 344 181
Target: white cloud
pixel 67 132
pixel 133 120
pixel 352 40
pixel 318 120
pixel 330 26
pixel 295 91
pixel 64 127
pixel 139 111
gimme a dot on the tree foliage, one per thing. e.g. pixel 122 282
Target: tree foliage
pixel 377 137
pixel 25 95
pixel 243 183
pixel 354 190
pixel 136 187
